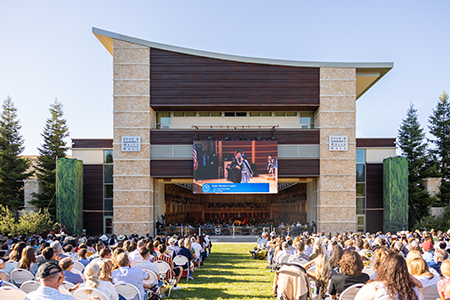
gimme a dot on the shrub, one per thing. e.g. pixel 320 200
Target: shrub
pixel 28 223
pixel 437 223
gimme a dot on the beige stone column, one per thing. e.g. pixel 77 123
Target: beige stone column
pixel 133 187
pixel 336 186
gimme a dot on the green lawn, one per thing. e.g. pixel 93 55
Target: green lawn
pixel 228 273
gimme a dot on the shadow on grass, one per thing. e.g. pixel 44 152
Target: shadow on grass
pixel 212 293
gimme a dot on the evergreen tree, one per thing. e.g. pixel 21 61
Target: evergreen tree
pixel 13 169
pixel 54 146
pixel 439 125
pixel 411 142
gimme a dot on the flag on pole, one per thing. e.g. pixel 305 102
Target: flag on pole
pixel 195 160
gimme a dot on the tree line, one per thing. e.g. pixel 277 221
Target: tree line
pixel 14 168
pixel 427 157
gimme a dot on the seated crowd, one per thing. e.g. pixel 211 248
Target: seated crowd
pixel 404 265
pixel 101 262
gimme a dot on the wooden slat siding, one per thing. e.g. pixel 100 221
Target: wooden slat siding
pixel 375 143
pixel 184 168
pixel 374 197
pixel 93 198
pixel 192 82
pixel 183 137
pixel 92 143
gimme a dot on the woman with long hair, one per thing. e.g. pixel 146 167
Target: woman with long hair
pixel 91 273
pixel 106 268
pixel 419 269
pixel 321 275
pixel 16 253
pixel 392 282
pixel 28 260
pixel 337 252
pixel 351 273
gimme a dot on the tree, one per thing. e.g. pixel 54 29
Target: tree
pixel 411 141
pixel 54 146
pixel 13 169
pixel 439 125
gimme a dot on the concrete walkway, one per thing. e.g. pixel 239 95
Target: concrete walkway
pixel 233 239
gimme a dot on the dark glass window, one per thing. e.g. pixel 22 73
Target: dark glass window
pixel 108 193
pixel 360 172
pixel 108 173
pixel 108 156
pixel 360 189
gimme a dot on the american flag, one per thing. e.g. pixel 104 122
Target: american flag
pixel 195 160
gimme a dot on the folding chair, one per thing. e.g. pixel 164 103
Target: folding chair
pixel 351 291
pixel 4 276
pixel 134 263
pixel 430 293
pixel 79 273
pixel 127 290
pixel 68 285
pixel 9 284
pixel 164 268
pixel 153 281
pixel 285 259
pixel 19 276
pixel 10 293
pixel 78 266
pixel 86 293
pixel 30 286
pixel 12 263
pixel 180 261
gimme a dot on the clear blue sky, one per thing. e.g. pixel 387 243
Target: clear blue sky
pixel 48 51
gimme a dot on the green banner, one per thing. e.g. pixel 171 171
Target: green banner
pixel 395 194
pixel 69 194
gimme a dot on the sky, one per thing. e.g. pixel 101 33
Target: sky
pixel 48 51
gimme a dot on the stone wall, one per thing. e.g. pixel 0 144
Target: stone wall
pixel 336 186
pixel 133 187
pixel 432 185
pixel 30 186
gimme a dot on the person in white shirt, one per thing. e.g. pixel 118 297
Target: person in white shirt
pixel 105 253
pixel 146 264
pixel 91 272
pixel 135 255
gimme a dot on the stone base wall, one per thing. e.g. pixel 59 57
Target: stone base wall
pixel 133 186
pixel 336 186
pixel 432 185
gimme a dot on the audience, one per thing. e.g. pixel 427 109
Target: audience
pixel 93 281
pixel 66 265
pixel 124 273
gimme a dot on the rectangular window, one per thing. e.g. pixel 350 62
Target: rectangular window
pixel 229 114
pixel 255 114
pixel 204 114
pixel 361 223
pixel 178 114
pixel 216 114
pixel 266 114
pixel 360 172
pixel 360 189
pixel 360 206
pixel 108 192
pixel 291 114
pixel 190 114
pixel 306 120
pixel 280 114
pixel 163 120
pixel 108 156
pixel 241 114
pixel 361 156
pixel 108 174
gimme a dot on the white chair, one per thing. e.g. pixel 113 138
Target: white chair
pixel 12 263
pixel 351 291
pixel 285 259
pixel 4 276
pixel 127 290
pixel 134 263
pixel 10 293
pixel 78 266
pixel 30 286
pixel 369 270
pixel 63 290
pixel 19 276
pixel 180 261
pixel 430 293
pixel 153 277
pixel 9 284
pixel 68 285
pixel 163 267
pixel 86 293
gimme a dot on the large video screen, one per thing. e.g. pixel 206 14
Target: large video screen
pixel 237 167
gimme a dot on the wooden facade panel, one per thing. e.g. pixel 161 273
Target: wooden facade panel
pixel 92 143
pixel 171 168
pixel 374 197
pixel 193 82
pixel 375 143
pixel 93 187
pixel 298 168
pixel 93 223
pixel 184 168
pixel 183 137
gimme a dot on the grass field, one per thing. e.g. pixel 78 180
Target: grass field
pixel 228 273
